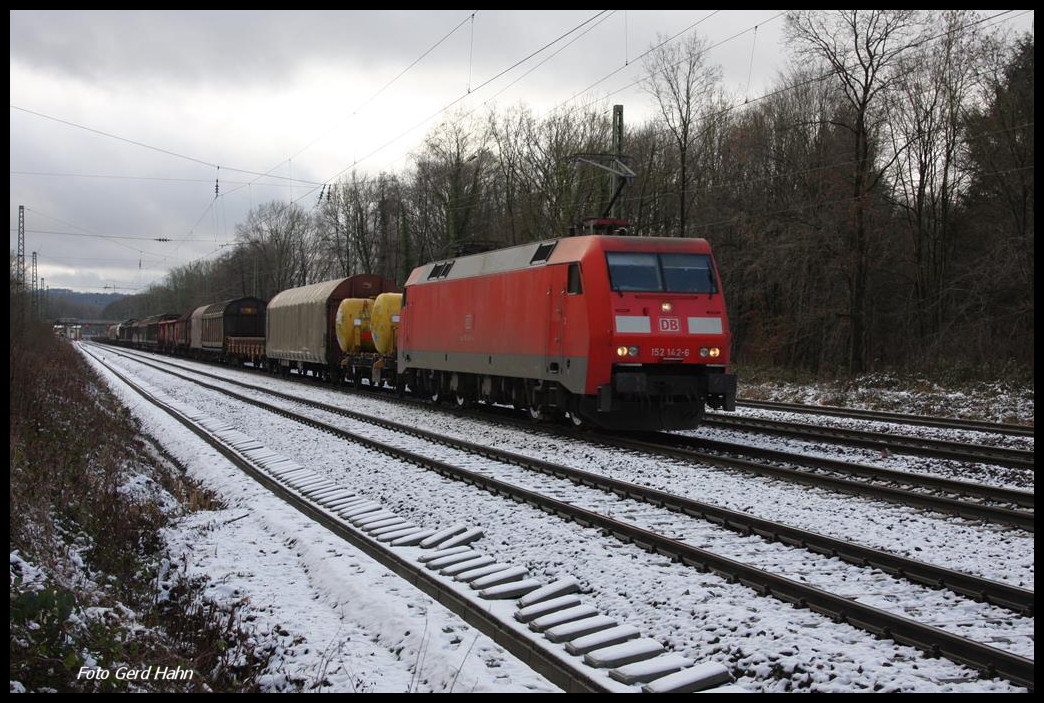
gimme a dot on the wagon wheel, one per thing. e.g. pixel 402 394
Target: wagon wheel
pixel 576 421
pixel 462 400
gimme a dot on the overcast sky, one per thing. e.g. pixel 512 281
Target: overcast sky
pixel 289 93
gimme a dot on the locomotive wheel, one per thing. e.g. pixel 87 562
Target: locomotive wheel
pixel 462 401
pixel 576 421
pixel 536 413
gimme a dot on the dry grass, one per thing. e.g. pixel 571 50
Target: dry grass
pixel 84 584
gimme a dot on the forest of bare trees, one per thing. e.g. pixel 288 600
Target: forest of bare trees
pixel 874 208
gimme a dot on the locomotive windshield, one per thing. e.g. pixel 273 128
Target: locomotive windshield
pixel 661 273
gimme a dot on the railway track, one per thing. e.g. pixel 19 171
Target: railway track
pixel 570 678
pixel 900 418
pixel 879 622
pixel 899 444
pixel 991 503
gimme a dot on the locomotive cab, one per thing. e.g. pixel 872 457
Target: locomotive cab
pixel 669 346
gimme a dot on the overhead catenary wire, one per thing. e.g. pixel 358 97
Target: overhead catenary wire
pixel 160 179
pixel 372 97
pixel 443 109
pixel 100 236
pixel 88 232
pixel 730 108
pixel 359 160
pixel 485 83
pixel 148 146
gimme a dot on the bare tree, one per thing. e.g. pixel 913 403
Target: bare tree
pixel 284 239
pixel 681 79
pixel 927 132
pixel 862 50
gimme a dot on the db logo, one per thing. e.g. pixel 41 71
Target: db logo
pixel 670 324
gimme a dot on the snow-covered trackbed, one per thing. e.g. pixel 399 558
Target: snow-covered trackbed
pixel 903 444
pixel 662 531
pixel 611 663
pixel 1018 599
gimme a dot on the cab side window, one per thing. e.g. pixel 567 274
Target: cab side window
pixel 574 286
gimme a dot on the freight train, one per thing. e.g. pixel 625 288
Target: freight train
pixel 621 332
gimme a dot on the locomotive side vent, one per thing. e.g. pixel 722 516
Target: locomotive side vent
pixel 543 253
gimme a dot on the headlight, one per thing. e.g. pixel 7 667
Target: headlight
pixel 621 351
pixel 715 352
pixel 633 351
pixel 704 351
pixel 666 307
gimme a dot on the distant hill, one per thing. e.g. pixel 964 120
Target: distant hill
pixel 62 302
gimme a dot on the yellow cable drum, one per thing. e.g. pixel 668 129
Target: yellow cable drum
pixel 384 322
pixel 353 326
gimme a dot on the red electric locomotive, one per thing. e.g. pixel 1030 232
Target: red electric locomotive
pixel 622 332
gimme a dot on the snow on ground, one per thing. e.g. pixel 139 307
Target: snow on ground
pixel 699 615
pixel 990 474
pixel 995 552
pixel 334 616
pixel 990 402
pixel 986 439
